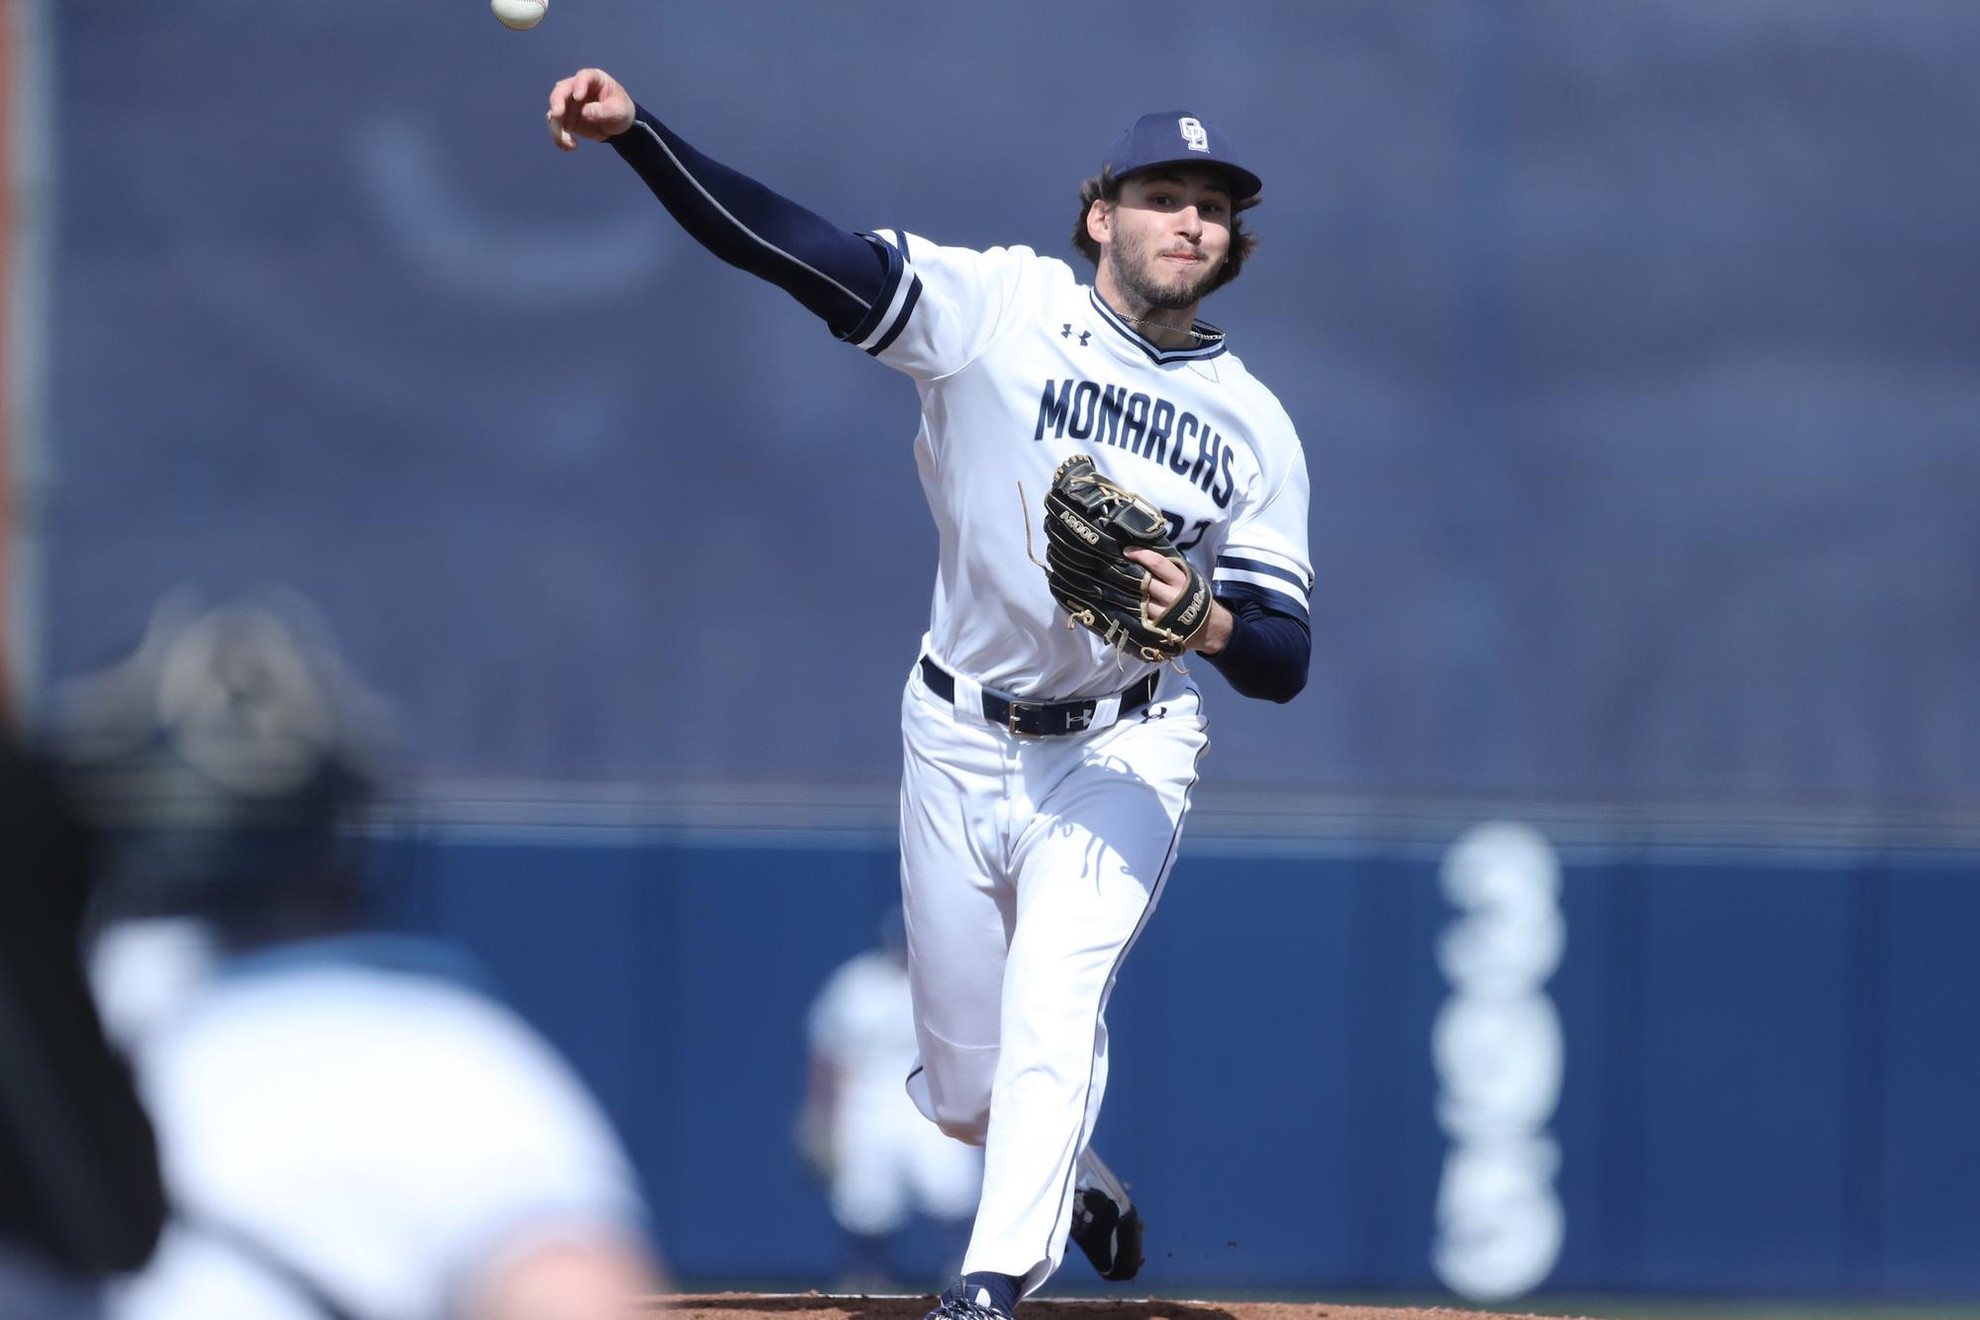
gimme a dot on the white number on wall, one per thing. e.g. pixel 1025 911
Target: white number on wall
pixel 1497 1046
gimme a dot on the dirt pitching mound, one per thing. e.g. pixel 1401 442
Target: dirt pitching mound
pixel 824 1306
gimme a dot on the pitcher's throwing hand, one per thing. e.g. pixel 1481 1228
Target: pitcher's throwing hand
pixel 589 104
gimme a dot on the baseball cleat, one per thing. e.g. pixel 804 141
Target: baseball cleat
pixel 955 1303
pixel 1105 1224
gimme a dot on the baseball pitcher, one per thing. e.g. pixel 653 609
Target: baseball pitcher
pixel 1112 490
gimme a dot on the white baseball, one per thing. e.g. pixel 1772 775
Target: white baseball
pixel 519 14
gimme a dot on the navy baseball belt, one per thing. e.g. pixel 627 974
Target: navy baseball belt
pixel 1040 719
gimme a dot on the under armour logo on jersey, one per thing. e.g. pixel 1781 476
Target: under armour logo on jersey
pixel 1193 135
pixel 1068 333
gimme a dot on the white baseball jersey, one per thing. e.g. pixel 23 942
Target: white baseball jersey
pixel 372 1136
pixel 1020 366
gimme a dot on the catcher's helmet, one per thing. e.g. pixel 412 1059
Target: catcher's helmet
pixel 219 760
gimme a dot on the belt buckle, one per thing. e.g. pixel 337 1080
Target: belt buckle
pixel 1011 718
pixel 1076 717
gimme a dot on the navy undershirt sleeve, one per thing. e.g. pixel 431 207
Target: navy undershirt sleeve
pixel 1268 654
pixel 842 277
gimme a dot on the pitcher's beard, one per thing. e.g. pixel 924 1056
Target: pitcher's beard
pixel 1129 263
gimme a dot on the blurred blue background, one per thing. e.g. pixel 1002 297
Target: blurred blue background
pixel 1633 349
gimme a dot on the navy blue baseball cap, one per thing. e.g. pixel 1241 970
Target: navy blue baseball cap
pixel 1177 137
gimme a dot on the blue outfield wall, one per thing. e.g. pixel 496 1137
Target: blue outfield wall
pixel 1756 1066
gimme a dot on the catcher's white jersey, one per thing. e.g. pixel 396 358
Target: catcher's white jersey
pixel 1019 366
pixel 364 1134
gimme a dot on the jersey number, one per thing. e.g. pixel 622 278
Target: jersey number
pixel 1176 530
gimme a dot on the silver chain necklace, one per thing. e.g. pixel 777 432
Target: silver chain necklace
pixel 1200 336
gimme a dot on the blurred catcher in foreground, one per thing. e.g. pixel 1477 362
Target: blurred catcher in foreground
pixel 80 1197
pixel 350 1126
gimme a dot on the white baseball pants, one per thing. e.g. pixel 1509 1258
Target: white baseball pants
pixel 1028 867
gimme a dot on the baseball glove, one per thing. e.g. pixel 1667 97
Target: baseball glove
pixel 1090 525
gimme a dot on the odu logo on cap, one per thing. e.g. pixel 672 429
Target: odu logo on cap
pixel 1193 135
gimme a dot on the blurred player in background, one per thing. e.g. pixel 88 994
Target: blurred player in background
pixel 80 1195
pixel 351 1127
pixel 882 1161
pixel 1046 774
